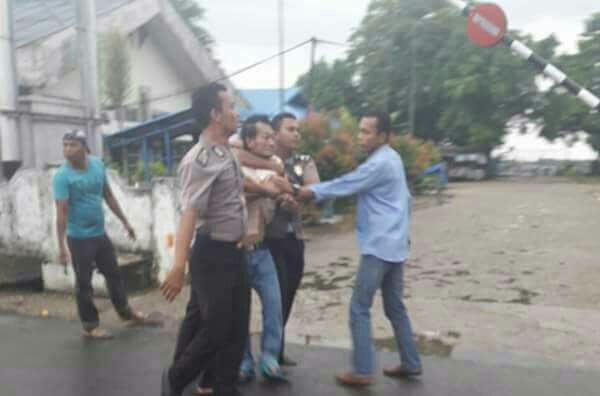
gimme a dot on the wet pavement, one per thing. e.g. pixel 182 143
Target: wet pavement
pixel 48 357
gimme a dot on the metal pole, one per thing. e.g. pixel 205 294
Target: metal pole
pixel 313 52
pixel 9 135
pixel 281 55
pixel 168 152
pixel 88 67
pixel 540 63
pixel 413 85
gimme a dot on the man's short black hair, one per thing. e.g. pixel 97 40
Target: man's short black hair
pixel 249 128
pixel 204 100
pixel 278 120
pixel 78 136
pixel 383 121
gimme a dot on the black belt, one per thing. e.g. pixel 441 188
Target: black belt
pixel 207 237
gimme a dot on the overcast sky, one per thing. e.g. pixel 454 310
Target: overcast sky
pixel 246 30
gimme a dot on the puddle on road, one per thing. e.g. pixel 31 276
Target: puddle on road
pixel 426 346
pixel 508 281
pixel 461 273
pixel 524 298
pixel 331 305
pixel 484 300
pixel 340 264
pixel 469 298
pixel 320 283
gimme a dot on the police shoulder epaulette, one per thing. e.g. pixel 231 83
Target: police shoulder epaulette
pixel 218 151
pixel 202 156
pixel 304 158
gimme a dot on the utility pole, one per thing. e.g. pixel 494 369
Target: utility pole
pixel 281 55
pixel 413 85
pixel 413 71
pixel 311 73
pixel 10 154
pixel 88 68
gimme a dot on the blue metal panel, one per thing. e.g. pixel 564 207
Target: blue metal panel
pixel 145 159
pixel 117 141
pixel 168 153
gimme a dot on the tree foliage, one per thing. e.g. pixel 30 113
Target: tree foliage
pixel 558 111
pixel 115 68
pixel 465 94
pixel 193 15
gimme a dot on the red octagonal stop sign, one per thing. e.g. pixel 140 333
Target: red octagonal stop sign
pixel 487 25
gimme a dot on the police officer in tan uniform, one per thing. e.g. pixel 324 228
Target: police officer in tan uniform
pixel 215 327
pixel 284 235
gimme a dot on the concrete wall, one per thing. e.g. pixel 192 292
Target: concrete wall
pixel 28 218
pixel 543 168
pixel 42 125
pixel 5 213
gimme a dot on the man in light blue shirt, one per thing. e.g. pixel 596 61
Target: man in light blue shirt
pixel 382 231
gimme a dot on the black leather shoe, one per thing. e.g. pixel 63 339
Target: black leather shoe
pixel 401 372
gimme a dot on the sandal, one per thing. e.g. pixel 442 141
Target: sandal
pixel 200 390
pixel 271 371
pixel 141 320
pixel 97 334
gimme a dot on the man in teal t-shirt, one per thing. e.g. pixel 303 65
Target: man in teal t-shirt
pixel 80 187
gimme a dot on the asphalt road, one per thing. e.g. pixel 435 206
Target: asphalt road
pixel 48 357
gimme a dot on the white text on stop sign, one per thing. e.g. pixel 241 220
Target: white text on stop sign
pixel 486 25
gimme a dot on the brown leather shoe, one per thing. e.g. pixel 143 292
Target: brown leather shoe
pixel 351 379
pixel 401 372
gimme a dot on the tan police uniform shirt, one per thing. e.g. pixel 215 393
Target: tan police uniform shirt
pixel 211 180
pixel 302 170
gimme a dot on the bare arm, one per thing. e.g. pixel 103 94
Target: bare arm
pixel 173 284
pixel 252 161
pixel 61 226
pixel 114 206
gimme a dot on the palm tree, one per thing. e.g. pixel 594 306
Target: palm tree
pixel 193 14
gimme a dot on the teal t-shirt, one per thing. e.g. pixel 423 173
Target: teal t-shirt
pixel 84 192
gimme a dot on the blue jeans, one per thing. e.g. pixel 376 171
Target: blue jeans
pixel 373 274
pixel 263 279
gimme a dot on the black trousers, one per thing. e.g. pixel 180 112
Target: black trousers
pixel 288 254
pixel 215 328
pixel 98 252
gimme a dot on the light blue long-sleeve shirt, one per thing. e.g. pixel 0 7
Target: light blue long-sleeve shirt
pixel 383 211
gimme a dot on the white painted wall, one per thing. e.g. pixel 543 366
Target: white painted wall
pixel 5 213
pixel 68 86
pixel 28 219
pixel 166 208
pixel 30 204
pixel 137 206
pixel 150 68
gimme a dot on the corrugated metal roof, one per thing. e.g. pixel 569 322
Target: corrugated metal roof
pixel 37 19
